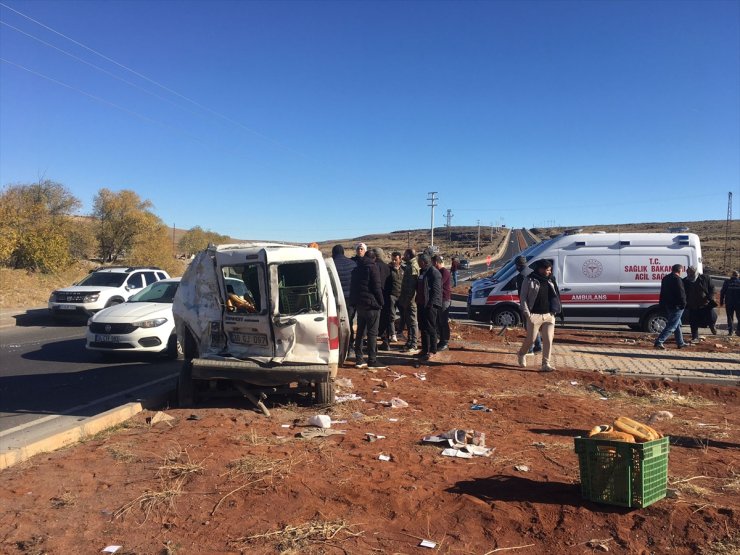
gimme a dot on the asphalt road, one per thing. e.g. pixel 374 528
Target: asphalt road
pixel 46 370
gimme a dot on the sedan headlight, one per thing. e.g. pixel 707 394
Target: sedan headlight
pixel 480 293
pixel 153 323
pixel 91 298
pixel 53 296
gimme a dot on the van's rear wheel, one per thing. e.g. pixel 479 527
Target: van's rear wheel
pixel 325 394
pixel 506 316
pixel 655 322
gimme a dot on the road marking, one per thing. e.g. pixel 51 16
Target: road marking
pixel 79 407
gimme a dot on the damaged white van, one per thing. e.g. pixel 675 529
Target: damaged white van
pixel 604 278
pixel 261 317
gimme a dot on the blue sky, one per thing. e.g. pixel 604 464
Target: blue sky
pixel 305 121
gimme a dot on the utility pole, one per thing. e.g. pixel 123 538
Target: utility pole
pixel 432 199
pixel 478 251
pixel 174 253
pixel 491 232
pixel 449 225
pixel 727 229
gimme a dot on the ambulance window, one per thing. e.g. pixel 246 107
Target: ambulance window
pixel 511 286
pixel 243 281
pixel 298 288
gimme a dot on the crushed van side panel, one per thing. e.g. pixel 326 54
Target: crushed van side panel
pixel 197 302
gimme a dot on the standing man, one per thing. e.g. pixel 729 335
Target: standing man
pixel 443 322
pixel 429 302
pixel 454 268
pixel 673 302
pixel 391 293
pixel 344 268
pixel 521 267
pixel 407 300
pixel 540 303
pixel 367 296
pixel 699 291
pixel 729 296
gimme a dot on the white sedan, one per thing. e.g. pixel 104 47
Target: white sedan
pixel 143 324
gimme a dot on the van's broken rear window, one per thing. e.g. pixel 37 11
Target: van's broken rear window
pixel 298 288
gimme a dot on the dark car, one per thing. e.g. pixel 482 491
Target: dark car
pixel 464 264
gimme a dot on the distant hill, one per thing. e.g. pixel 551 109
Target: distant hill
pixel 720 249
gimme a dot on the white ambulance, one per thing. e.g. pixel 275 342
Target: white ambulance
pixel 261 317
pixel 604 278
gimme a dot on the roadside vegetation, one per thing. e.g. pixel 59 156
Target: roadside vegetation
pixel 45 244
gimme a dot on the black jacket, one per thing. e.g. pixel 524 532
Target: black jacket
pixel 698 292
pixel 429 289
pixel 384 272
pixel 365 290
pixel 344 269
pixel 672 293
pixel 730 292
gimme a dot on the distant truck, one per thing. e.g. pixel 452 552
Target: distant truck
pixel 604 278
pixel 260 317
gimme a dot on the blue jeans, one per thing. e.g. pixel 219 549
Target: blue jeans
pixel 673 325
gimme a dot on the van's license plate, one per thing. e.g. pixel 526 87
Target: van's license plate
pixel 107 339
pixel 248 338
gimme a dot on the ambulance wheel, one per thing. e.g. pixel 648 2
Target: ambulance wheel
pixel 325 393
pixel 654 322
pixel 506 316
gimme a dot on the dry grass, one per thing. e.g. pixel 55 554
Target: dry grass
pixel 665 398
pixel 122 453
pixel 67 499
pixel 255 468
pixel 296 539
pixel 24 289
pixel 176 469
pixel 728 546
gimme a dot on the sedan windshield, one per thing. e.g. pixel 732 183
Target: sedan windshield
pixel 156 293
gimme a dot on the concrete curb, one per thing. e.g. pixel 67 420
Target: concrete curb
pixel 89 427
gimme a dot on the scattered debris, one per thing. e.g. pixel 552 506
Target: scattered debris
pixel 521 467
pixel 598 544
pixel 384 457
pixel 457 453
pixel 539 444
pixel 421 375
pixel 194 417
pixel 600 390
pixel 158 417
pixel 347 397
pixel 111 549
pixel 319 432
pixel 393 420
pixel 428 543
pixel 320 421
pixel 373 437
pixel 660 415
pixel 345 383
pixel 574 382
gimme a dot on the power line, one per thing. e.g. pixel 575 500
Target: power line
pixel 153 82
pixel 98 68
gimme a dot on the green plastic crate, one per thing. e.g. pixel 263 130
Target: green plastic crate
pixel 621 473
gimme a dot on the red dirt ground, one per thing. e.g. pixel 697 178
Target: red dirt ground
pixel 231 480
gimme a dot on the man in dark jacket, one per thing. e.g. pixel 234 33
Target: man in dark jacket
pixel 407 300
pixel 443 317
pixel 367 297
pixel 539 301
pixel 523 270
pixel 673 302
pixel 344 267
pixel 699 293
pixel 429 303
pixel 729 296
pixel 391 292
